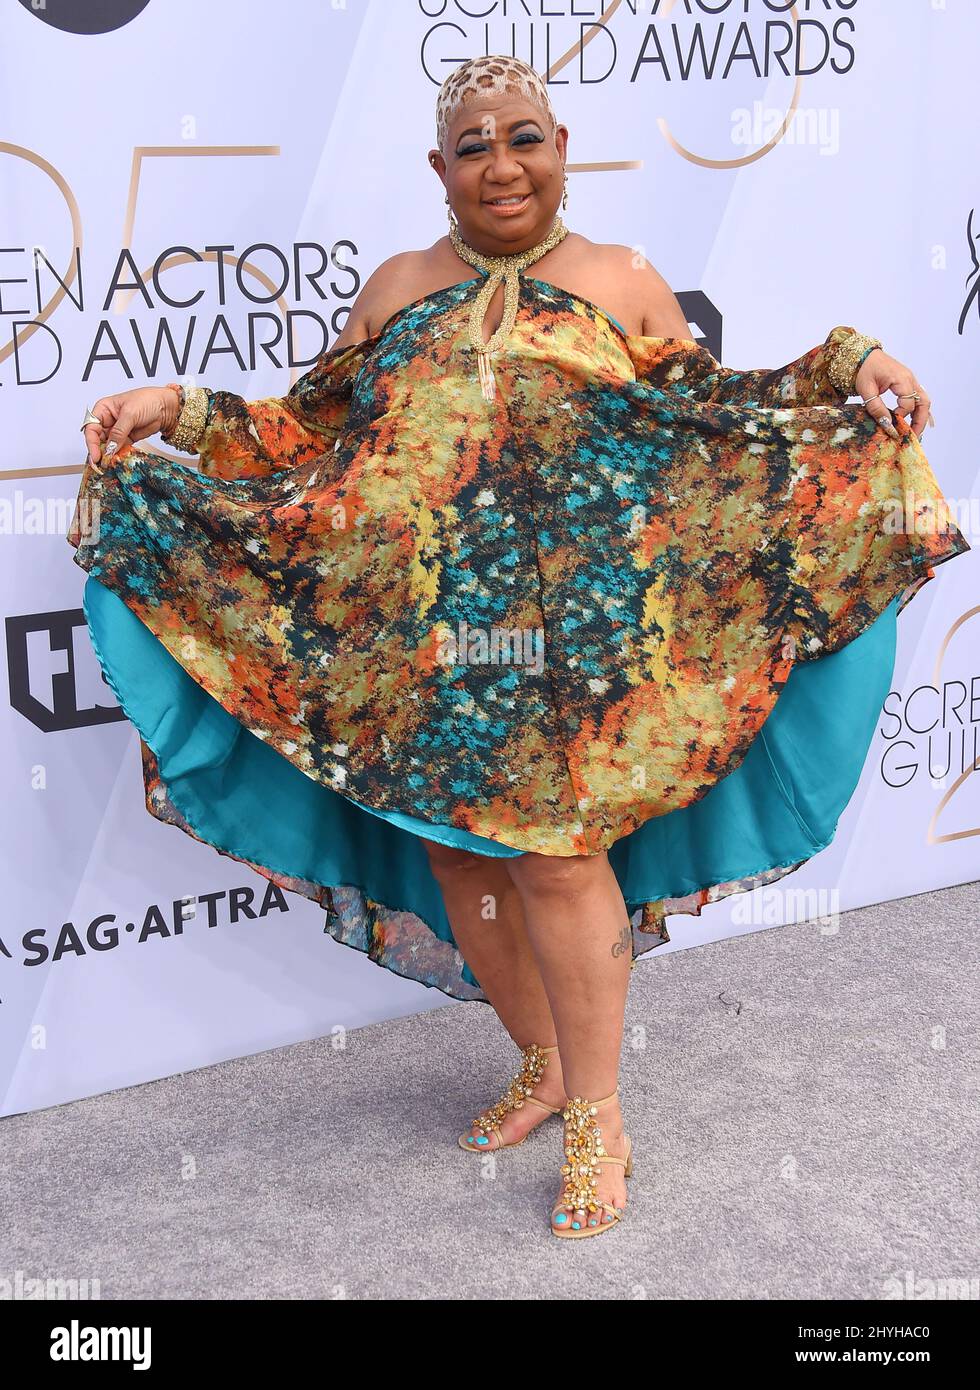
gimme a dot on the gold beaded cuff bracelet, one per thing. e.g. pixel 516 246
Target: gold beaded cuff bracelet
pixel 845 359
pixel 187 429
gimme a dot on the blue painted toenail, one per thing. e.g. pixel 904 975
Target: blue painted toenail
pixel 560 1219
pixel 576 1226
pixel 483 1139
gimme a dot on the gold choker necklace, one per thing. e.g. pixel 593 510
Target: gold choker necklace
pixel 498 269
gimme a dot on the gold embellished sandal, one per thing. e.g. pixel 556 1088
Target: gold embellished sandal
pixel 579 1203
pixel 535 1059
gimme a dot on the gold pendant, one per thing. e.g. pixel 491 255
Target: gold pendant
pixel 505 269
pixel 488 382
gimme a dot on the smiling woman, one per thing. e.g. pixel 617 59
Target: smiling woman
pixel 692 563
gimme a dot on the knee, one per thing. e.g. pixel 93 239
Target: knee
pixel 444 860
pixel 546 874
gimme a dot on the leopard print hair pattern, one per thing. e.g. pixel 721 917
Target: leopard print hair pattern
pixel 489 76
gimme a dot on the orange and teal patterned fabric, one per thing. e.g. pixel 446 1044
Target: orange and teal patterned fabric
pixel 543 623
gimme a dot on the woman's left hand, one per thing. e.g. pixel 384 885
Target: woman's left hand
pixel 878 373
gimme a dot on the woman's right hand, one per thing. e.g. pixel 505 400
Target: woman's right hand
pixel 129 416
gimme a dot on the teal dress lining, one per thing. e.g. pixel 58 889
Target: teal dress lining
pixel 777 808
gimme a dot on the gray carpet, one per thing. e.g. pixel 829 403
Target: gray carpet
pixel 803 1109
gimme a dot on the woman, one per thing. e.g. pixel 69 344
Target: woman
pixel 549 457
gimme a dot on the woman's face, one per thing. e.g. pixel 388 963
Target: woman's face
pixel 502 147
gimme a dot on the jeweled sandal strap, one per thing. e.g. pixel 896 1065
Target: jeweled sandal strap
pixel 580 1101
pixel 533 1063
pixel 584 1151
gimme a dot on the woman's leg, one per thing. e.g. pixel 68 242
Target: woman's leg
pixel 485 912
pixel 579 930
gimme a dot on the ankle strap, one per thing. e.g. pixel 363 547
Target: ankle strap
pixel 599 1102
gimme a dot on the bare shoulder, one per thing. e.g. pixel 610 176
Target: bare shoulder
pixel 622 281
pixel 392 285
pixel 639 282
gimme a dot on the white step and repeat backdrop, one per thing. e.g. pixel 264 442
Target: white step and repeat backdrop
pixel 177 179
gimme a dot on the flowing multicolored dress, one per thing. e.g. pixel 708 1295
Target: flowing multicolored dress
pixel 638 603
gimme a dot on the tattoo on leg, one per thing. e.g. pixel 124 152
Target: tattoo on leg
pixel 625 941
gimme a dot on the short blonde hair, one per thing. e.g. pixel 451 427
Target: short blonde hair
pixel 489 77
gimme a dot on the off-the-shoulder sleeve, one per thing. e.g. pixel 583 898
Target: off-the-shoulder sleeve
pixel 243 439
pixel 777 486
pixel 690 370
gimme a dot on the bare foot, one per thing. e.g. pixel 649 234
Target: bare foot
pixel 541 1072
